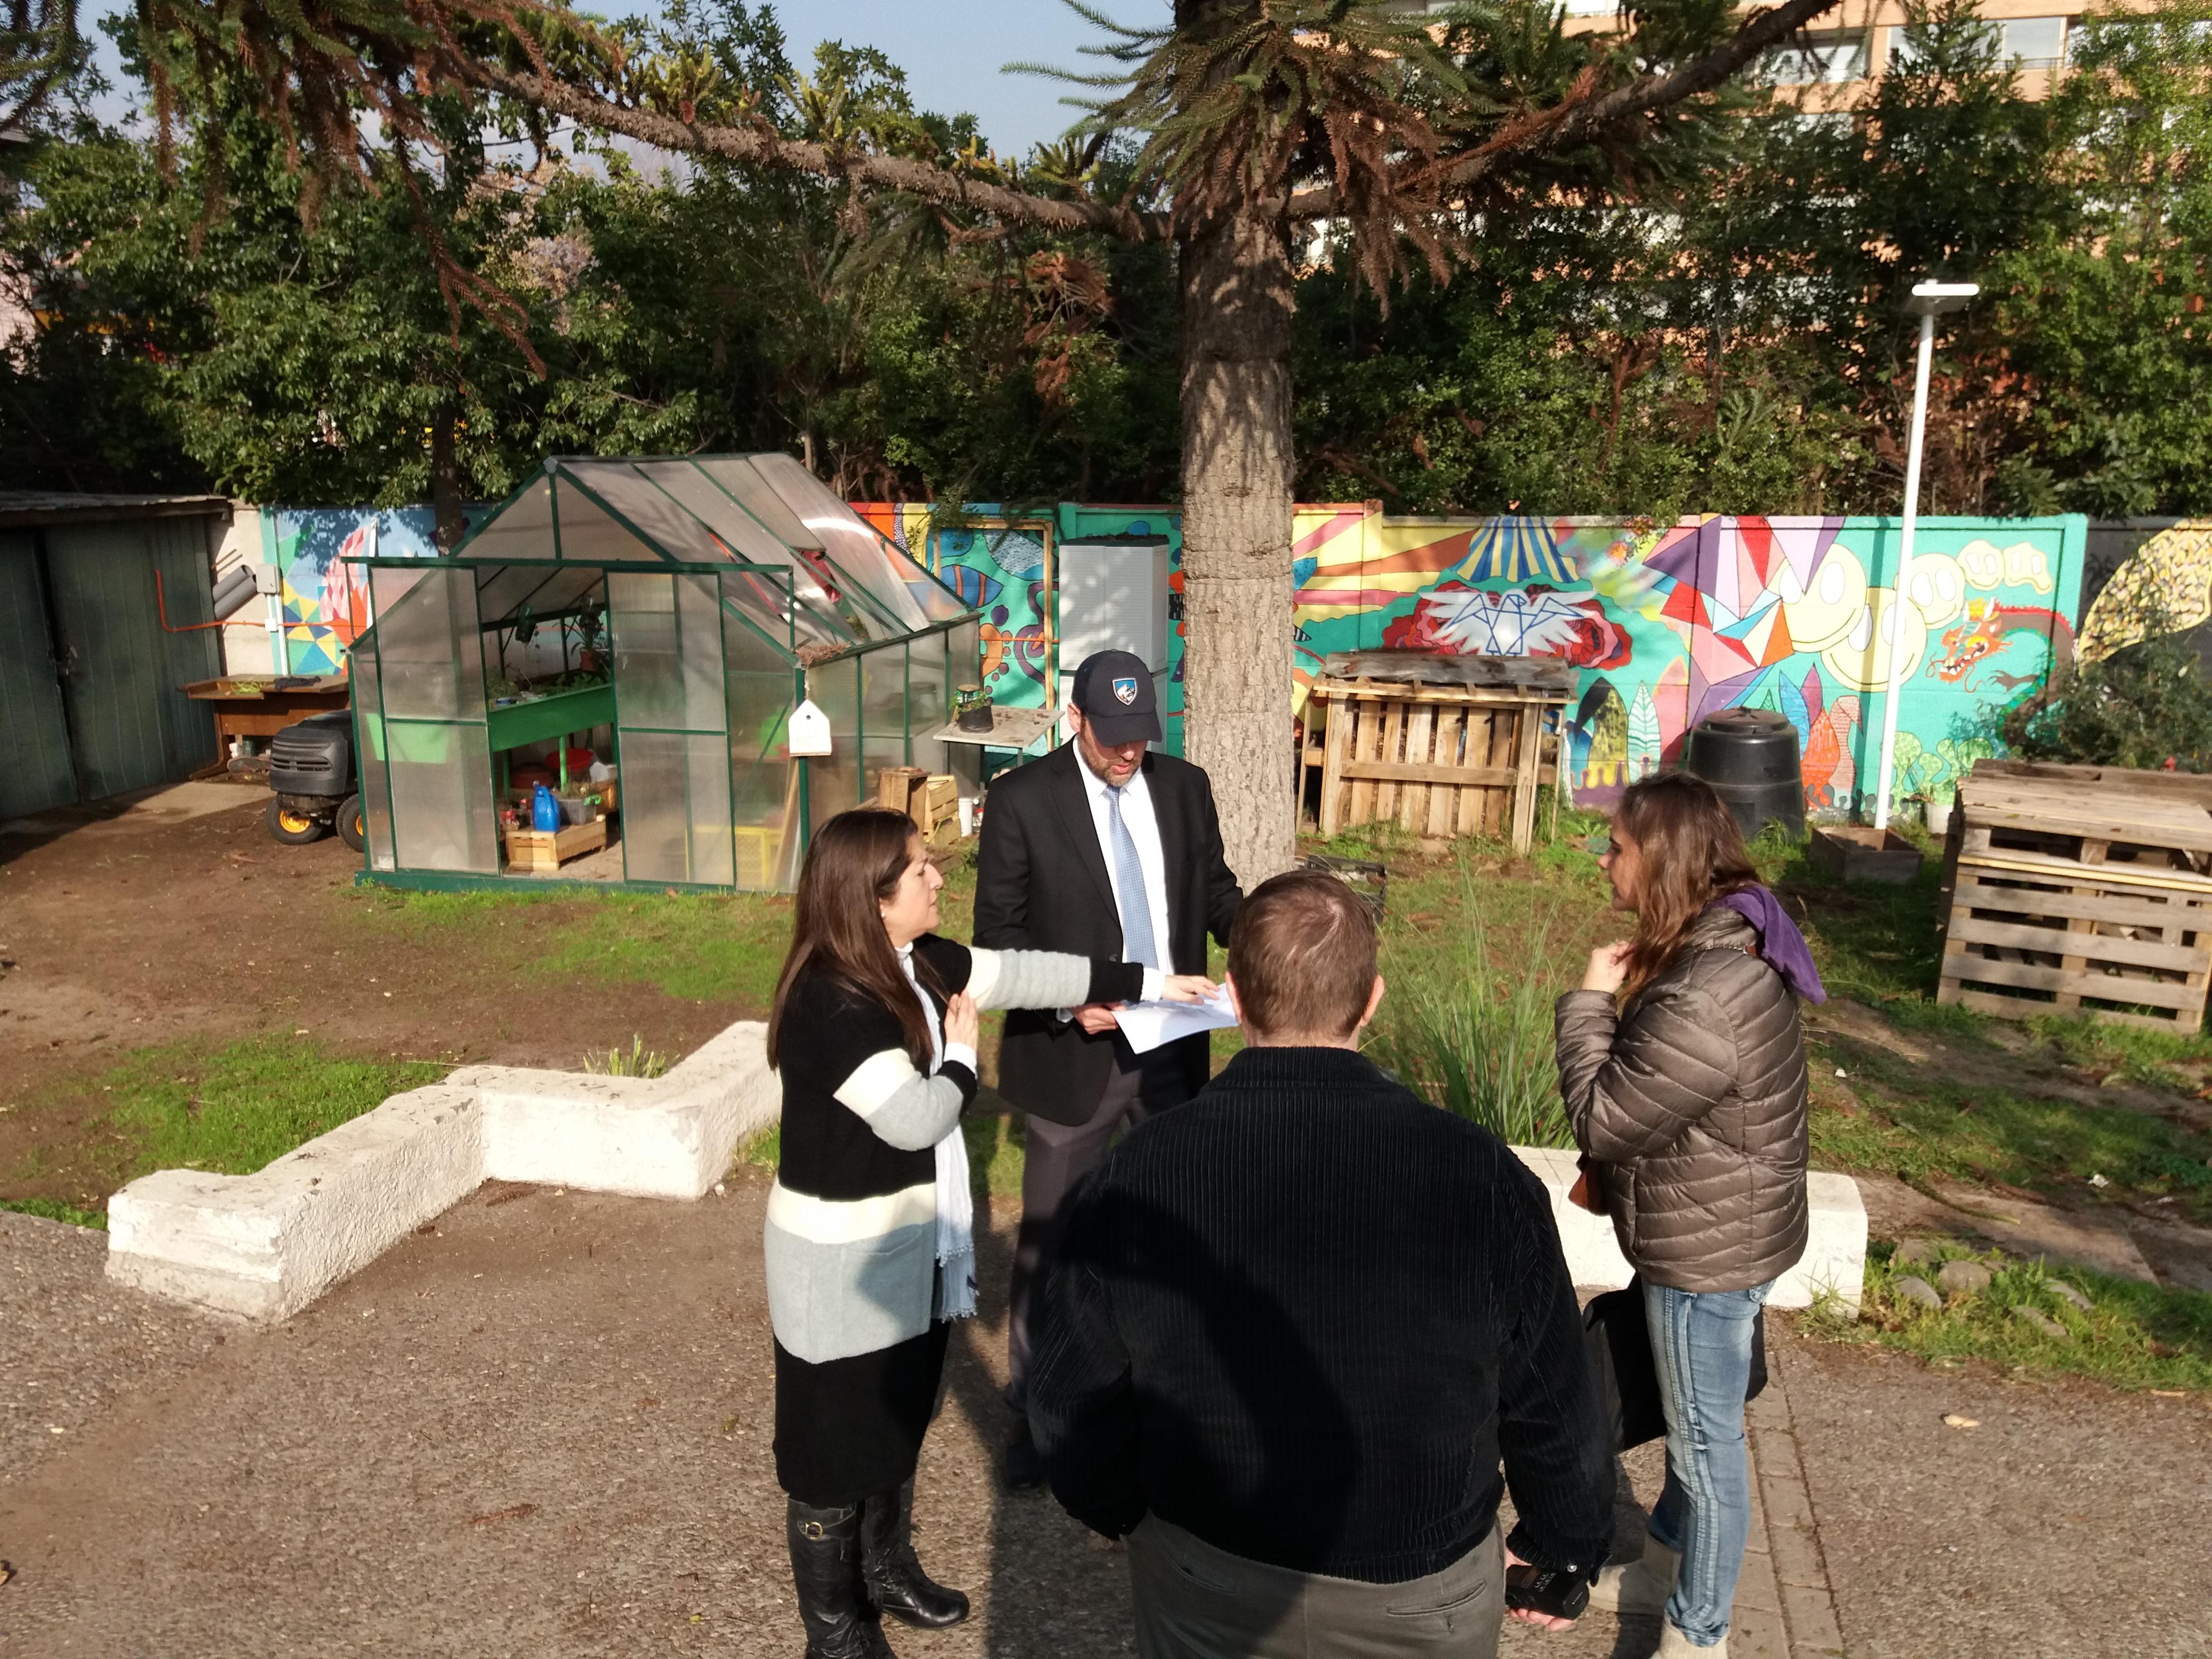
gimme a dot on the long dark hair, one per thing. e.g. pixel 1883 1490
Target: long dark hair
pixel 1692 853
pixel 854 862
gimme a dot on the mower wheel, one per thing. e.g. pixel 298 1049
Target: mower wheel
pixel 353 826
pixel 293 827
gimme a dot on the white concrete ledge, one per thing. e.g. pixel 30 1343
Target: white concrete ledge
pixel 1834 1262
pixel 669 1137
pixel 263 1246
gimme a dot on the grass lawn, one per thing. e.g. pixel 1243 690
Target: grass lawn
pixel 2132 1335
pixel 228 1110
pixel 1476 946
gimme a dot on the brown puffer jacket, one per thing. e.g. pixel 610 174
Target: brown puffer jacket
pixel 1693 1105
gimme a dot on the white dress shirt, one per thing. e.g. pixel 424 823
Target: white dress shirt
pixel 1143 828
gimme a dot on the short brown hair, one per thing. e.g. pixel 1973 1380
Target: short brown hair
pixel 1303 955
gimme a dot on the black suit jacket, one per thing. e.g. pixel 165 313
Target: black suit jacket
pixel 1040 884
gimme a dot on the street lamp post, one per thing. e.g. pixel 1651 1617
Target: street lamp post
pixel 1929 300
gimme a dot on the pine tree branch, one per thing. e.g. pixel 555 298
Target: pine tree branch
pixel 762 147
pixel 1589 114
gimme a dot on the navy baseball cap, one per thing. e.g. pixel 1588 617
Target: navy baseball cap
pixel 1114 689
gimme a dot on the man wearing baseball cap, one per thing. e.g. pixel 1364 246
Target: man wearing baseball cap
pixel 1102 848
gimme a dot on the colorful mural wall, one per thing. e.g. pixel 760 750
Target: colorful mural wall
pixel 2164 586
pixel 1003 563
pixel 326 600
pixel 1671 623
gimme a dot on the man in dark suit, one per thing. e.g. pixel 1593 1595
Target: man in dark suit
pixel 1101 849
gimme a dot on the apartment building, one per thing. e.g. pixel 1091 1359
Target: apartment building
pixel 1859 40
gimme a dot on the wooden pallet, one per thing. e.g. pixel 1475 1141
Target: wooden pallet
pixel 2087 893
pixel 1439 761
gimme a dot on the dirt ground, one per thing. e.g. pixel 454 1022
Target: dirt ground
pixel 157 926
pixel 542 1428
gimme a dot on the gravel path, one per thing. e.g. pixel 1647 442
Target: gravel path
pixel 541 1429
pixel 73 1345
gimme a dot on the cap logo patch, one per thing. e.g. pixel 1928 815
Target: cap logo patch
pixel 1124 692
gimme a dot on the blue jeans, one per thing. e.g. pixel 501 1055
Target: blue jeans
pixel 1701 1345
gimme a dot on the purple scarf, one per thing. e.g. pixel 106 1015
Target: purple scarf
pixel 1781 946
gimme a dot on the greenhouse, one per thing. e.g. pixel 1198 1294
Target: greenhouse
pixel 630 638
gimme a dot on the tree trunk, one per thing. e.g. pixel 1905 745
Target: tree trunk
pixel 446 482
pixel 1235 272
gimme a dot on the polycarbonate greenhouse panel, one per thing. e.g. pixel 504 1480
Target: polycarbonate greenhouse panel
pixel 883 715
pixel 764 778
pixel 833 781
pixel 671 530
pixel 676 807
pixel 504 592
pixel 369 756
pixel 698 494
pixel 856 549
pixel 430 675
pixel 929 704
pixel 523 529
pixel 590 536
pixel 428 648
pixel 737 474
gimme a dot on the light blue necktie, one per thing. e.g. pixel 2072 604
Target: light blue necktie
pixel 1129 885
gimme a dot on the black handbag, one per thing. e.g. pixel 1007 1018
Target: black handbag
pixel 1618 1338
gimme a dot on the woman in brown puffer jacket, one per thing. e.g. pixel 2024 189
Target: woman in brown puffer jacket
pixel 1682 1063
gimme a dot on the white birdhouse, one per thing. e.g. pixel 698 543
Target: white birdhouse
pixel 810 730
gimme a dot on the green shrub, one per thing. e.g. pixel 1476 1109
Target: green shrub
pixel 2139 707
pixel 1470 1028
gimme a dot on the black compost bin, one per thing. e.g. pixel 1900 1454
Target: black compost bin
pixel 1750 757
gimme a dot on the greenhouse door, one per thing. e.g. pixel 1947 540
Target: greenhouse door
pixel 426 728
pixel 672 728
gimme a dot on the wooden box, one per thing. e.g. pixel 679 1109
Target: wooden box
pixel 1852 852
pixel 1439 761
pixel 2079 895
pixel 931 799
pixel 545 849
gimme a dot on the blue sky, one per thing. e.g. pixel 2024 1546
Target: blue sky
pixel 951 52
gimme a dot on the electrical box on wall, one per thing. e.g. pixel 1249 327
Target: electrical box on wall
pixel 1114 597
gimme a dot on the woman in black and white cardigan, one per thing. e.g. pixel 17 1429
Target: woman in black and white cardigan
pixel 870 1241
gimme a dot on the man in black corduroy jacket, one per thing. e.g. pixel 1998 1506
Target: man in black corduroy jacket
pixel 1298 1326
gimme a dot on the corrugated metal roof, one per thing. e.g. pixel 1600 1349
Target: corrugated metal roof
pixel 28 509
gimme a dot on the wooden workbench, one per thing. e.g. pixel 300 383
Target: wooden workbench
pixel 246 706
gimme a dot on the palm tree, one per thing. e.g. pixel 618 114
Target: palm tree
pixel 1391 133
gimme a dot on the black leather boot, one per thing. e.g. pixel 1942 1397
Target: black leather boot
pixel 825 1566
pixel 896 1584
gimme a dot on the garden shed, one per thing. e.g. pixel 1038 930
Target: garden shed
pixel 634 634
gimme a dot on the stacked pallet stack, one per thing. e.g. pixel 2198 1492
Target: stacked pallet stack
pixel 1442 747
pixel 2080 890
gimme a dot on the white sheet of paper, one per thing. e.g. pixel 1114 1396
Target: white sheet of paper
pixel 1148 1024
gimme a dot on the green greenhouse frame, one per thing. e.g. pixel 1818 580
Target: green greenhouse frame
pixel 731 588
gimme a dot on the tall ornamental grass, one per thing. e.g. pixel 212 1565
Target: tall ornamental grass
pixel 1469 1026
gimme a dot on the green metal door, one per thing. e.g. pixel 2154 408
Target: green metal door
pixel 34 750
pixel 129 724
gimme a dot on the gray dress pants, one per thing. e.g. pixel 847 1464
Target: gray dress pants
pixel 1055 1157
pixel 1194 1601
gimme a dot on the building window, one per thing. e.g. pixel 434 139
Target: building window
pixel 2022 43
pixel 1823 57
pixel 2034 43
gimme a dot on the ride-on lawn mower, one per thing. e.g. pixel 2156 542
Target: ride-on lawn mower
pixel 310 769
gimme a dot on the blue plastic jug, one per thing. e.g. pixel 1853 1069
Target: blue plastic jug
pixel 544 811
